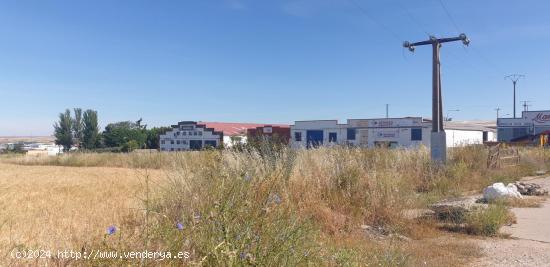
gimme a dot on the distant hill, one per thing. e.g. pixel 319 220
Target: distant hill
pixel 34 139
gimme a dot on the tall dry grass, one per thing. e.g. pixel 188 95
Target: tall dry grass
pixel 280 207
pixel 293 207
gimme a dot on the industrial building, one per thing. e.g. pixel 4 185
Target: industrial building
pixel 281 132
pixel 530 123
pixel 387 132
pixel 191 135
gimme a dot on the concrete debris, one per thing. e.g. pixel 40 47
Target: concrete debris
pixel 530 189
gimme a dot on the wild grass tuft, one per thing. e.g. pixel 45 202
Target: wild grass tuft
pixel 487 222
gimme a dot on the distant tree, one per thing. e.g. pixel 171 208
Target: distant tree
pixel 77 126
pixel 153 135
pixel 130 146
pixel 63 130
pixel 118 134
pixel 90 131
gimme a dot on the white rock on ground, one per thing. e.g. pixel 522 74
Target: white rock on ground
pixel 499 191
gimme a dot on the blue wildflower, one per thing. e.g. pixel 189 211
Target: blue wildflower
pixel 111 230
pixel 275 199
pixel 247 177
pixel 179 226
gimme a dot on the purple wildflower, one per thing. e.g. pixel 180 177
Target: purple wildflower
pixel 275 199
pixel 179 226
pixel 111 230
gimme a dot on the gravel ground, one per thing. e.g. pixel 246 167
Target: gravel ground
pixel 510 252
pixel 530 238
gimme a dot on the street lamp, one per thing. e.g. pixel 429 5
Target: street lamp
pixel 448 117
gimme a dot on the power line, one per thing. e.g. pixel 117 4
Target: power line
pixel 493 66
pixel 373 19
pixel 450 17
pixel 413 19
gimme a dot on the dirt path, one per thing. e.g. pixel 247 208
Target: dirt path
pixel 530 238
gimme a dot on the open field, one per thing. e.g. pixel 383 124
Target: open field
pixel 246 208
pixel 35 139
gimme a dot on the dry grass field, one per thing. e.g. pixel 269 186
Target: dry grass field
pixel 55 207
pixel 244 207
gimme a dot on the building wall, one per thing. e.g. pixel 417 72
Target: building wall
pixel 396 132
pixel 229 141
pixel 326 126
pixel 184 135
pixel 392 132
pixel 456 138
pixel 282 133
pixel 530 123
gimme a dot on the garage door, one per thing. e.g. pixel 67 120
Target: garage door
pixel 314 138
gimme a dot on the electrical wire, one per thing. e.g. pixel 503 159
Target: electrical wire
pixel 413 19
pixel 459 31
pixel 373 19
pixel 489 63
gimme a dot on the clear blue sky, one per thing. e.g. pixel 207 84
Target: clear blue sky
pixel 263 61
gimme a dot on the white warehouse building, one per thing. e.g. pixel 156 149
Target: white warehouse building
pixel 387 132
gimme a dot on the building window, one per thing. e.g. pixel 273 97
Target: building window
pixel 178 142
pixel 332 137
pixel 194 133
pixel 298 136
pixel 184 133
pixel 162 142
pixel 172 142
pixel 351 133
pixel 416 134
pixel 172 149
pixel 184 142
pixel 485 136
pixel 200 133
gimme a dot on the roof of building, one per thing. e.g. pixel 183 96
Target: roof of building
pixel 477 125
pixel 235 128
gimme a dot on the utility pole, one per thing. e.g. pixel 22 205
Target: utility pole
pixel 514 78
pixel 387 111
pixel 438 142
pixel 497 109
pixel 525 105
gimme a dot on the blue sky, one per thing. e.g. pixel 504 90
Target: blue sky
pixel 263 61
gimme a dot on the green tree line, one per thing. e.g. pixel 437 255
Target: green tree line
pixel 81 130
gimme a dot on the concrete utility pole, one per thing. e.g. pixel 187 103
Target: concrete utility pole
pixel 514 78
pixel 438 144
pixel 387 111
pixel 497 109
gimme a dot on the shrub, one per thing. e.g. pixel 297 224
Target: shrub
pixel 488 221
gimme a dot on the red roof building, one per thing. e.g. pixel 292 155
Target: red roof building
pixel 237 128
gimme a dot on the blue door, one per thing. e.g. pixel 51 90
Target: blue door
pixel 314 138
